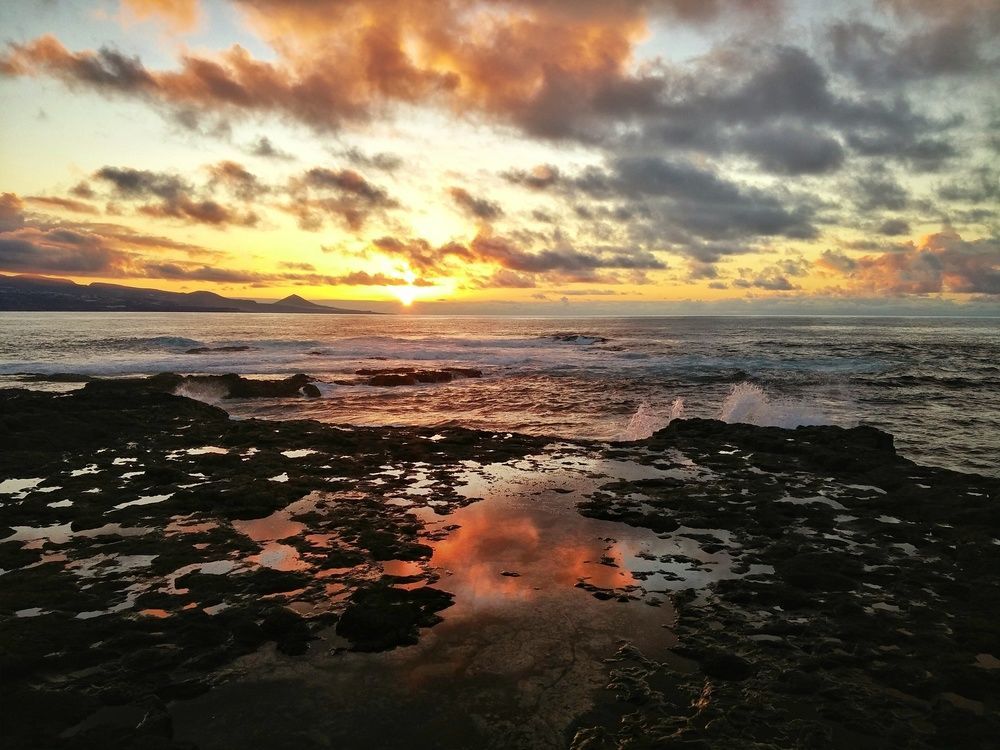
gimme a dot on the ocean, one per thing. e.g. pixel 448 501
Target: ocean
pixel 933 383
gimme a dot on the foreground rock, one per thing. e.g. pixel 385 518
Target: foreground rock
pixel 829 593
pixel 876 628
pixel 221 386
pixel 149 540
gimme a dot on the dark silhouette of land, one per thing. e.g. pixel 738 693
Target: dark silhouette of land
pixel 41 294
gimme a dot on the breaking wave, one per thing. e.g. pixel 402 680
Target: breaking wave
pixel 209 393
pixel 748 403
pixel 646 421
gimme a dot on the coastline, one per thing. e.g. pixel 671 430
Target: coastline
pixel 858 584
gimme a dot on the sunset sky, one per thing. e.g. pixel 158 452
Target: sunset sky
pixel 546 153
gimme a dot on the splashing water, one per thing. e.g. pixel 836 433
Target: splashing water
pixel 209 393
pixel 646 421
pixel 749 403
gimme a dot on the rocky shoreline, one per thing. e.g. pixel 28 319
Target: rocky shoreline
pixel 150 542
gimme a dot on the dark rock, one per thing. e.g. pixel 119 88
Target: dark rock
pixel 389 380
pixel 311 391
pixel 382 618
pixel 821 571
pixel 211 350
pixel 724 666
pixel 397 376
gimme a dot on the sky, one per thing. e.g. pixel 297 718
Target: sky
pixel 509 155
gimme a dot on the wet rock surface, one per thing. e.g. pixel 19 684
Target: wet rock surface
pixel 821 590
pixel 156 540
pixel 867 633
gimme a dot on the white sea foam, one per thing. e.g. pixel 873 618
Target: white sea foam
pixel 748 403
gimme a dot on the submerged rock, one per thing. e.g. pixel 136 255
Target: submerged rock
pixel 217 349
pixel 397 376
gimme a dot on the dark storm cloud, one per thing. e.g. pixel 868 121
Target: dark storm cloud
pixel 342 193
pixel 979 185
pixel 177 198
pixel 779 106
pixel 894 227
pixel 875 57
pixel 139 183
pixel 697 200
pixel 792 150
pixel 477 207
pixel 880 190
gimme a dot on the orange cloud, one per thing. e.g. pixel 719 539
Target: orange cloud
pixel 939 263
pixel 554 69
pixel 181 15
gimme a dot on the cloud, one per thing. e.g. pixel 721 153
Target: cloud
pixel 563 263
pixel 66 204
pixel 235 178
pixel 479 208
pixel 264 148
pixel 11 212
pixel 894 227
pixel 552 68
pixel 181 15
pixel 38 244
pixel 877 58
pixel 131 183
pixel 697 200
pixel 343 194
pixel 939 263
pixel 792 149
pixel 172 194
pixel 381 160
pixel 539 177
pixel 880 189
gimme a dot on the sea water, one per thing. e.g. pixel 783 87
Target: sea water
pixel 933 383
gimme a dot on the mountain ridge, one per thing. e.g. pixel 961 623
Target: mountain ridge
pixel 52 294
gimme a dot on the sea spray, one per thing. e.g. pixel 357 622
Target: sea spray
pixel 209 393
pixel 748 403
pixel 646 421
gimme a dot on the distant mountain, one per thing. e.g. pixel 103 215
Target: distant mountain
pixel 40 294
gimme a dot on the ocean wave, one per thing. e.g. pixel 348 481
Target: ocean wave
pixel 746 403
pixel 140 343
pixel 749 403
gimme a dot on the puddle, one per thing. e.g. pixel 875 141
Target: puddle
pixel 18 486
pixel 300 453
pixel 144 500
pixel 522 650
pixel 207 449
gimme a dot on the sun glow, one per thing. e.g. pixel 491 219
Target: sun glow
pixel 406 294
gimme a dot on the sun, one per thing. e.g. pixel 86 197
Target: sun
pixel 406 294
